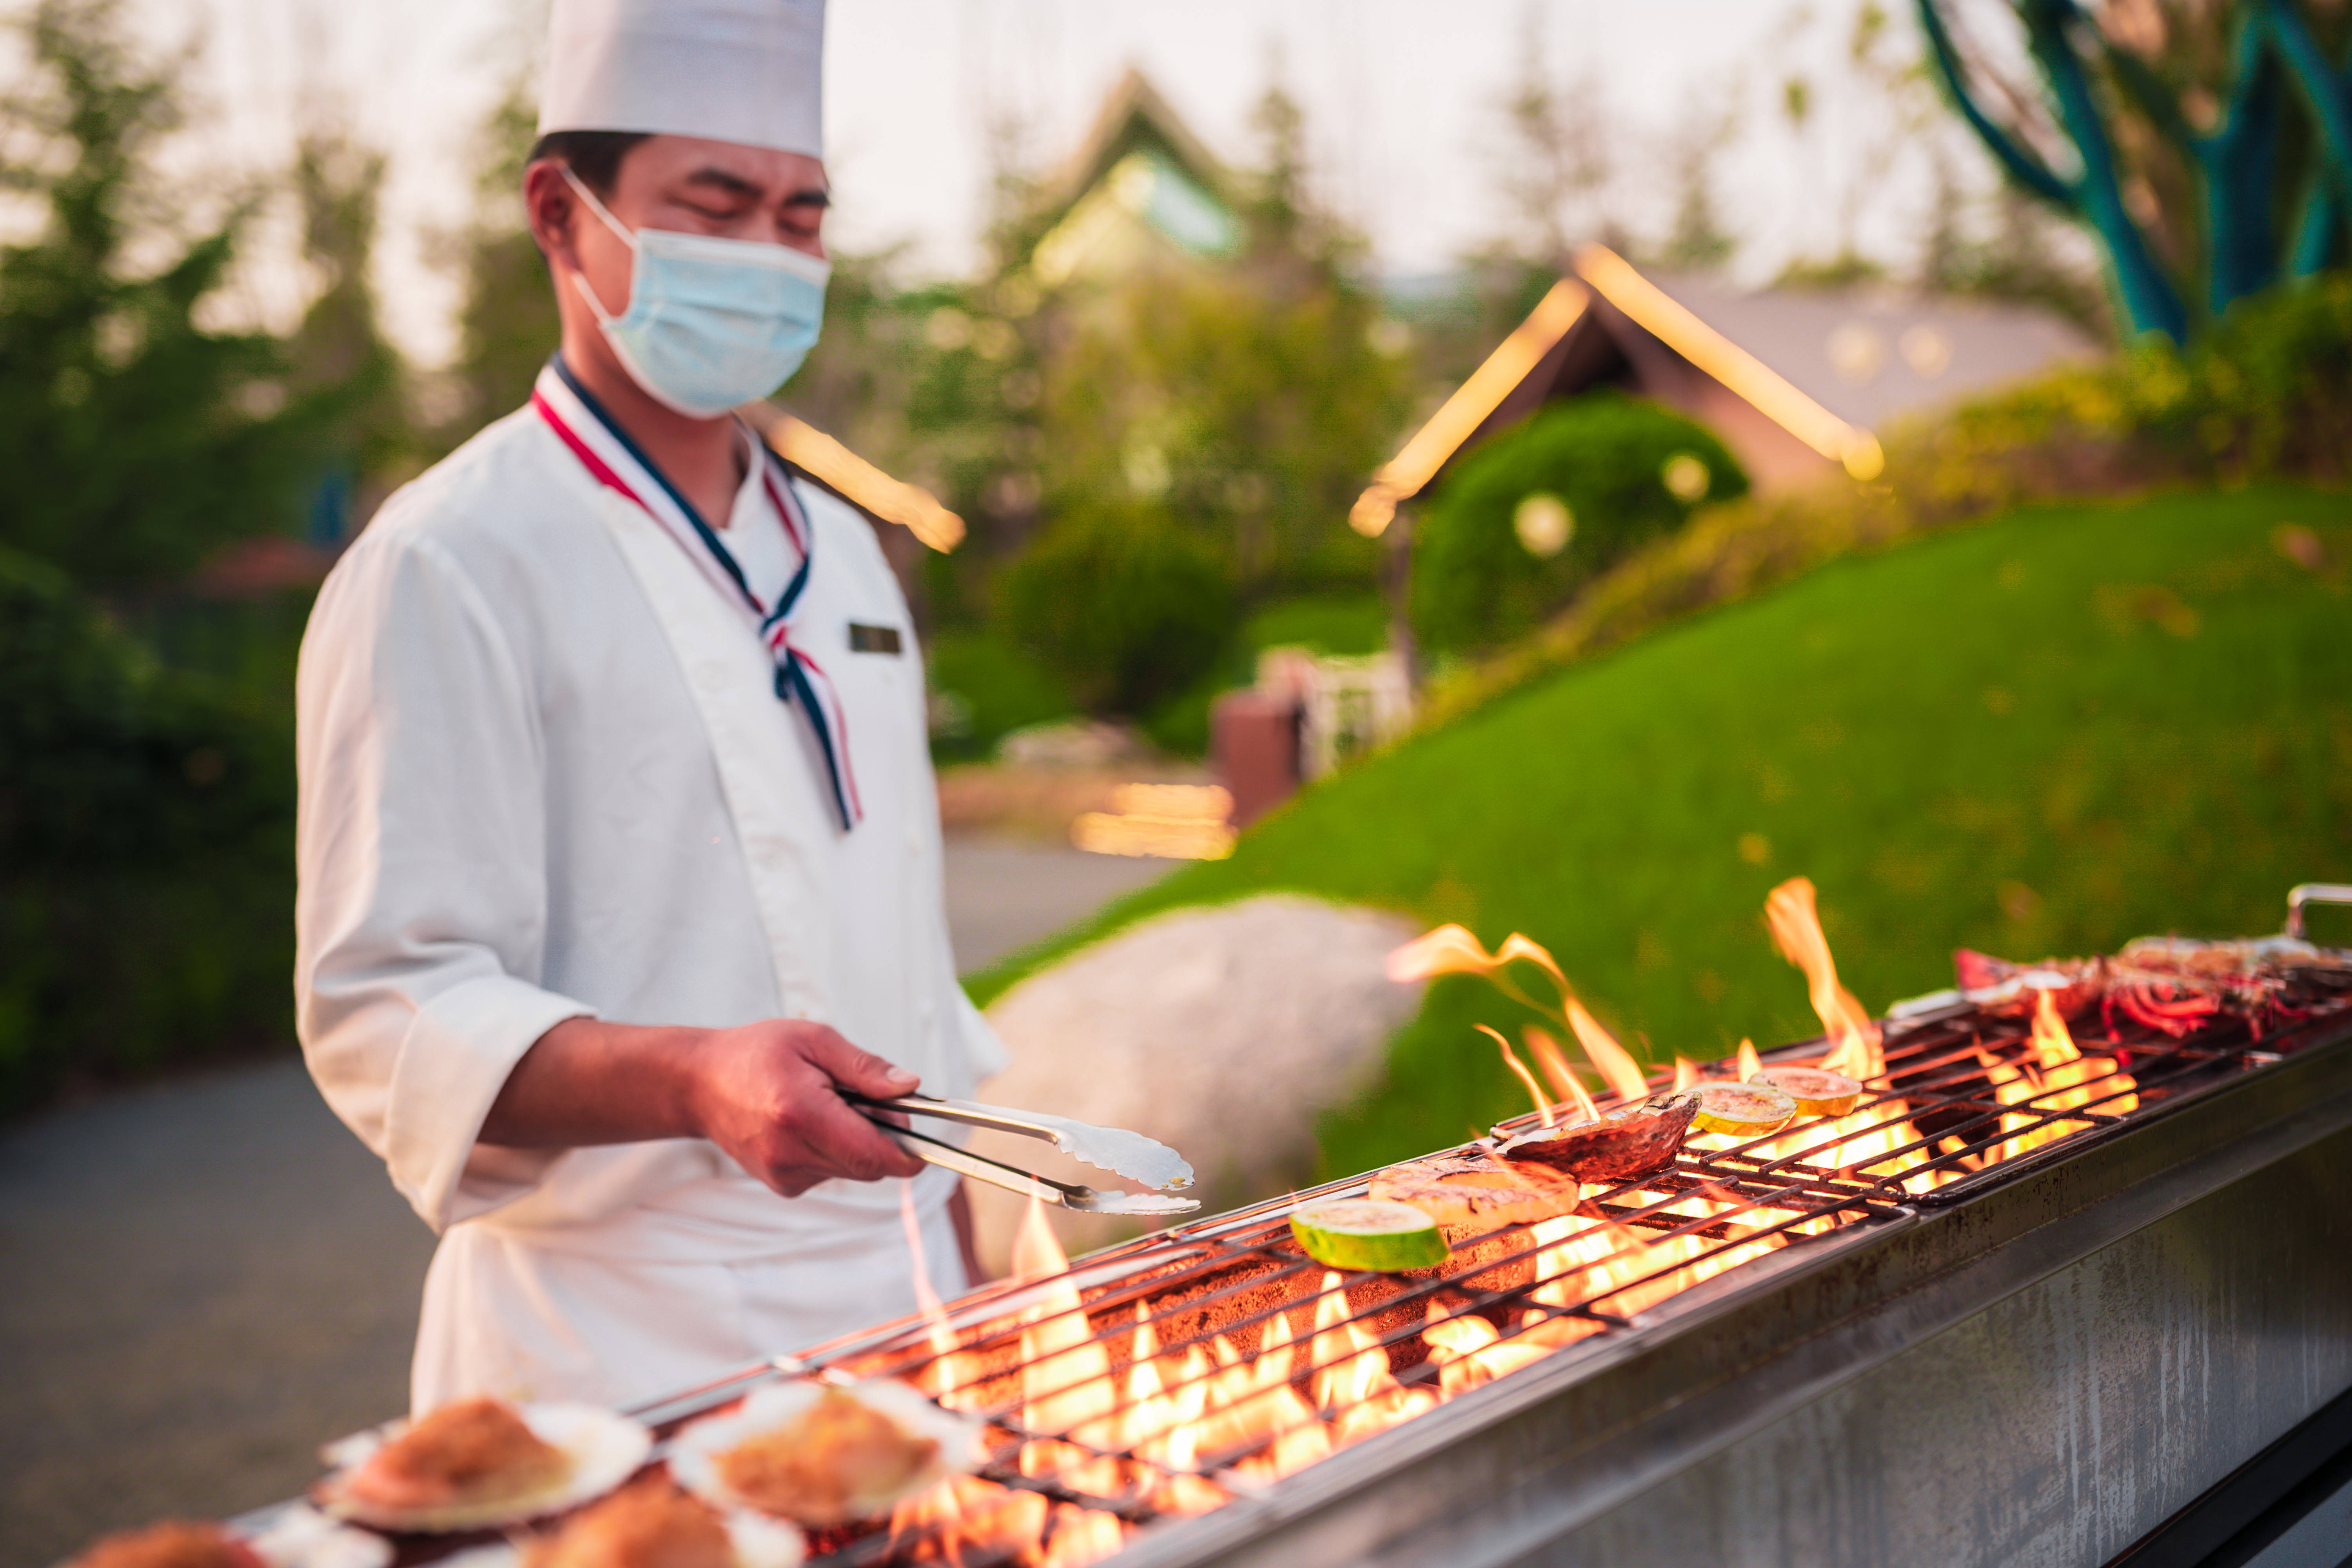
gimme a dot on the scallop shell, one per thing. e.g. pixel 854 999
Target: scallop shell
pixel 606 1448
pixel 299 1536
pixel 694 1456
pixel 1630 1140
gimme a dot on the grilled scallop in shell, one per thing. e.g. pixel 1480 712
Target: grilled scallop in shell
pixel 1629 1141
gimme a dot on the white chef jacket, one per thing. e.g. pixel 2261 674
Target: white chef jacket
pixel 545 774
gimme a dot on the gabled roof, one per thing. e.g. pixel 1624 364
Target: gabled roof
pixel 1140 172
pixel 842 472
pixel 1135 116
pixel 1791 379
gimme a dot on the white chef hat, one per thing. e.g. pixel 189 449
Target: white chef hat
pixel 732 70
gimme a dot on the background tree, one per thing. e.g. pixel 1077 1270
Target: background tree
pixel 2208 146
pixel 137 440
pixel 338 351
pixel 145 761
pixel 507 321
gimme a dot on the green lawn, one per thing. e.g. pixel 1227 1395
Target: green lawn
pixel 2045 733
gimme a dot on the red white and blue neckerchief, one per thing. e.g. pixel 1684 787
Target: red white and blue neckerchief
pixel 616 461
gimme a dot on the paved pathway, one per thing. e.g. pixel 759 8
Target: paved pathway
pixel 1004 894
pixel 205 1280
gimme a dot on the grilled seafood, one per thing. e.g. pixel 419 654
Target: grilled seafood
pixel 2174 985
pixel 821 1467
pixel 470 1451
pixel 1628 1142
pixel 173 1544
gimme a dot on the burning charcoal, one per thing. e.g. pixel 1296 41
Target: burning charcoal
pixel 1629 1141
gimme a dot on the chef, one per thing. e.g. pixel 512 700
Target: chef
pixel 618 844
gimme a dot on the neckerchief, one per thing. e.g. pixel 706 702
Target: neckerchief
pixel 609 454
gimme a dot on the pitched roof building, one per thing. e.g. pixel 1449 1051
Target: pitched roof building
pixel 1140 188
pixel 1794 380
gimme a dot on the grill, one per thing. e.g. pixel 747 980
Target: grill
pixel 2012 1308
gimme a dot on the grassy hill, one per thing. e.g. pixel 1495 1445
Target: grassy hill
pixel 2045 733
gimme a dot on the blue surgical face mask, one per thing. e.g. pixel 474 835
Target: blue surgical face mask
pixel 711 323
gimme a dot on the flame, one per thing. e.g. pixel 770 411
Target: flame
pixel 1081 1535
pixel 1750 1064
pixel 1352 1378
pixel 1065 1383
pixel 1175 1429
pixel 1686 1073
pixel 965 1518
pixel 1585 1109
pixel 1854 1041
pixel 1602 1051
pixel 949 1372
pixel 1555 1070
pixel 1535 1091
pixel 1448 950
pixel 2059 1078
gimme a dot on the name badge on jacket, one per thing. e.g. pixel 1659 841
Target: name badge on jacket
pixel 873 639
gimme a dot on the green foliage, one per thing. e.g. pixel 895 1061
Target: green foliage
pixel 1121 604
pixel 507 320
pixel 985 688
pixel 1348 626
pixel 1608 457
pixel 146 857
pixel 2208 148
pixel 2268 391
pixel 1251 413
pixel 137 440
pixel 2048 733
pixel 2255 400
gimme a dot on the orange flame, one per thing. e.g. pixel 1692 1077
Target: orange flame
pixel 1585 1109
pixel 1750 1064
pixel 1601 1048
pixel 1555 1070
pixel 1854 1041
pixel 948 1372
pixel 2059 1078
pixel 1535 1092
pixel 1686 1073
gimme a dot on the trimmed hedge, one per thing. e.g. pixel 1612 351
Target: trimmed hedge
pixel 1122 605
pixel 146 853
pixel 1628 471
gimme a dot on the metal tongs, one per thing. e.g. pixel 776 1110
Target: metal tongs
pixel 1131 1154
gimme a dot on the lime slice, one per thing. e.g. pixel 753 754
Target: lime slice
pixel 1816 1092
pixel 1368 1233
pixel 1742 1110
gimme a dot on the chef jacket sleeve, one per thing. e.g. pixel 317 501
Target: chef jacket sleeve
pixel 421 907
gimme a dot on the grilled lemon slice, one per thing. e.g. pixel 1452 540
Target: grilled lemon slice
pixel 1742 1110
pixel 1817 1092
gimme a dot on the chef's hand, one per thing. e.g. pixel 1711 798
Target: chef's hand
pixel 769 1094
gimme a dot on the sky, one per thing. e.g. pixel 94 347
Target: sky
pixel 1402 103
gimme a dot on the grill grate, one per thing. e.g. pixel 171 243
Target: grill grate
pixel 1172 1375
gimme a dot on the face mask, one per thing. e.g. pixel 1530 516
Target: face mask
pixel 711 323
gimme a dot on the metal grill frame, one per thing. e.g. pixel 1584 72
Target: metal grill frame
pixel 1932 1057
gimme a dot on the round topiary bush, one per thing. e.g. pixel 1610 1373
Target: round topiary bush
pixel 1121 604
pixel 1535 513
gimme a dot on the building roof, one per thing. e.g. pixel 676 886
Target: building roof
pixel 861 484
pixel 1140 183
pixel 1793 380
pixel 1872 353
